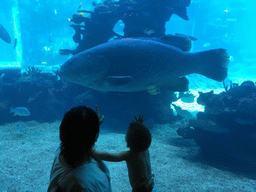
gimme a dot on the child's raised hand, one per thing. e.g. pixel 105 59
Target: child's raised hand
pixel 139 119
pixel 101 119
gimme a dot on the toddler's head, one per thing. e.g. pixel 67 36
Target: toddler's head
pixel 138 137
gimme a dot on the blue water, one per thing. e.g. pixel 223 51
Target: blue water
pixel 45 30
pixel 41 28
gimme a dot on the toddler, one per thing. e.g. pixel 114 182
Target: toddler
pixel 138 139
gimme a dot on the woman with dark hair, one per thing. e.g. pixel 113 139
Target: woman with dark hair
pixel 74 168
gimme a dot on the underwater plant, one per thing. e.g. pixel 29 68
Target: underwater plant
pixel 231 85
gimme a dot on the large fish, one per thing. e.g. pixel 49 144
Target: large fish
pixel 4 34
pixel 137 64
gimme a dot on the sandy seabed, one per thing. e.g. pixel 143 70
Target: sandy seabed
pixel 27 151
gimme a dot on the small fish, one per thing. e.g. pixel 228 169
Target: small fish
pixel 232 20
pixel 4 34
pixel 206 44
pixel 80 5
pixel 20 111
pixel 149 32
pixel 15 43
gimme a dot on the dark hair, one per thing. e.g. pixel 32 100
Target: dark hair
pixel 138 137
pixel 78 133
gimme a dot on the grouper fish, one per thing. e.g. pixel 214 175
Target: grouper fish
pixel 130 64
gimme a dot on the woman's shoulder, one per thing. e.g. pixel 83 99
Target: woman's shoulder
pixel 101 165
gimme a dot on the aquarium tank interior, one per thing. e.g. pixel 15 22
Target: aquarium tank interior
pixel 184 68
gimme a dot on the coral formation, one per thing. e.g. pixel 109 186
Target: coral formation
pixel 47 98
pixel 228 124
pixel 150 16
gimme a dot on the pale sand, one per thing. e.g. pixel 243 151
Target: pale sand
pixel 27 151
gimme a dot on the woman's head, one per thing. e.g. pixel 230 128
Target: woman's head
pixel 79 131
pixel 138 137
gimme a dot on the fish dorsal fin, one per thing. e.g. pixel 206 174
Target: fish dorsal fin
pixel 119 80
pixel 180 41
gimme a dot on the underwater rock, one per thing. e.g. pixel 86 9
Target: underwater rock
pixel 48 98
pixel 10 75
pixel 228 123
pixel 183 113
pixel 248 83
pixel 186 132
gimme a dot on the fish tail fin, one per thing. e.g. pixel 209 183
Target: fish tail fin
pixel 12 111
pixel 213 64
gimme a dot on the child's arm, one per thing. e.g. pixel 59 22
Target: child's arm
pixel 114 157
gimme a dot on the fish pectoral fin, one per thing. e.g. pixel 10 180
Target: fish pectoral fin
pixel 180 85
pixel 119 80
